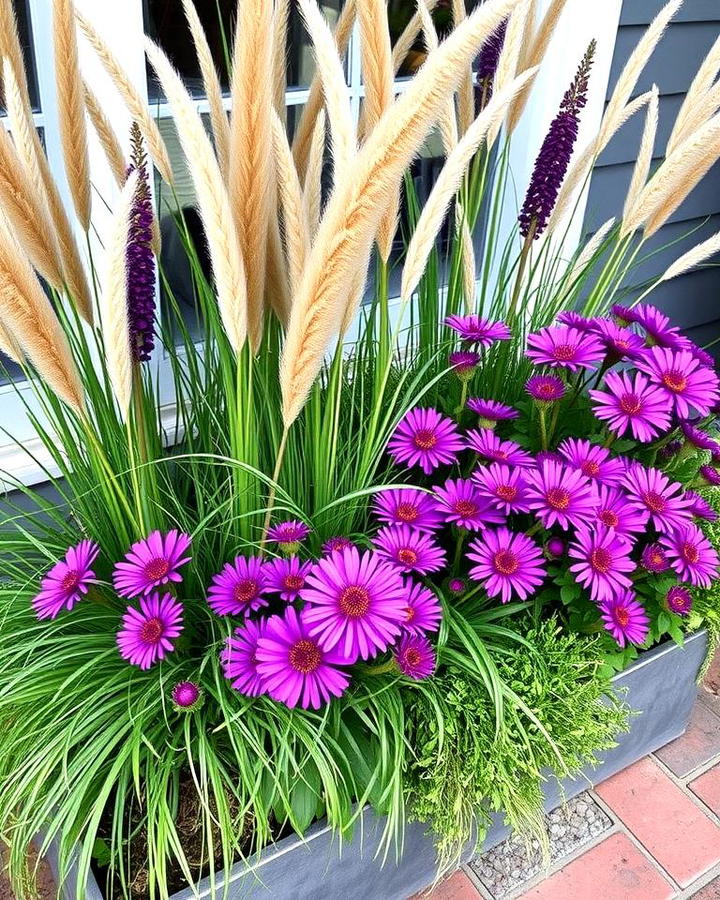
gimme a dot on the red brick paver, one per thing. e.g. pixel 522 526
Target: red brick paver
pixel 699 744
pixel 456 887
pixel 612 870
pixel 665 820
pixel 711 891
pixel 707 788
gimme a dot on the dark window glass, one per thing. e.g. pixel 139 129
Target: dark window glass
pixel 399 14
pixel 23 20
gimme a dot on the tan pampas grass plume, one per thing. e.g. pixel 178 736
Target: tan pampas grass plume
pixel 692 258
pixel 9 346
pixel 590 249
pixel 27 314
pixel 11 49
pixel 281 16
pixel 344 240
pixel 447 124
pixel 295 225
pixel 507 67
pixel 277 288
pixel 71 109
pixel 114 301
pixel 313 106
pixel 212 197
pixel 135 104
pixel 251 173
pixel 106 136
pixel 703 108
pixel 687 117
pixel 466 91
pixel 404 44
pixel 448 184
pixel 211 83
pixel 645 154
pixel 312 192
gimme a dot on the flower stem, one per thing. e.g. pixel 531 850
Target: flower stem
pixel 273 488
pixel 524 257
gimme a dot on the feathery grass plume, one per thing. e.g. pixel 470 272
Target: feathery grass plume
pixel 701 110
pixel 332 76
pixel 590 249
pixel 251 176
pixel 9 346
pixel 11 48
pixel 469 266
pixel 280 32
pixel 314 103
pixel 692 258
pixel 507 67
pixel 634 67
pixel 135 104
pixel 354 298
pixel 403 45
pixel 533 53
pixel 106 135
pixel 211 84
pixel 295 225
pixel 27 314
pixel 645 153
pixel 344 241
pixel 448 182
pixel 312 192
pixel 466 91
pixel 447 124
pixel 213 200
pixel 71 109
pixel 114 318
pixel 696 99
pixel 277 289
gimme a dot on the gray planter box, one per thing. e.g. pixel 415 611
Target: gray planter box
pixel 660 686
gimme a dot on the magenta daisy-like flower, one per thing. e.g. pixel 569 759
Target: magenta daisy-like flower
pixel 575 320
pixel 239 658
pixel 462 504
pixel 566 347
pixel 286 577
pixel 464 363
pixel 409 550
pixel 288 535
pixel 295 668
pixel 425 438
pixel 560 495
pixel 636 406
pixel 625 618
pixel 594 461
pixel 698 438
pixel 665 500
pixel 408 506
pixel 415 657
pixel 186 696
pixel 603 560
pixel 147 634
pixel 545 388
pixel 623 315
pixel 620 343
pixel 691 555
pixel 491 412
pixel 654 559
pixel 507 563
pixel 239 588
pixel 475 330
pixel 686 383
pixel 679 600
pixel 700 508
pixel 423 611
pixel 504 486
pixel 614 511
pixel 355 602
pixel 710 475
pixel 488 445
pixel 152 562
pixel 657 327
pixel 336 543
pixel 67 582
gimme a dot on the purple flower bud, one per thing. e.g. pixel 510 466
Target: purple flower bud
pixel 486 62
pixel 554 548
pixel 186 696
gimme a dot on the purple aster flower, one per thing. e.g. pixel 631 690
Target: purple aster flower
pixel 594 461
pixel 288 535
pixel 355 602
pixel 140 258
pixel 488 445
pixel 625 618
pixel 687 384
pixel 239 658
pixel 415 657
pixel 614 511
pixel 425 438
pixel 295 668
pixel 565 347
pixel 603 560
pixel 67 582
pixel 408 506
pixel 507 563
pixel 654 559
pixel 702 356
pixel 554 158
pixel 475 330
pixel 545 388
pixel 575 320
pixel 623 315
pixel 423 612
pixel 555 548
pixel 457 586
pixel 665 500
pixel 504 487
pixel 639 407
pixel 286 577
pixel 700 508
pixel 409 550
pixel 657 326
pixel 691 555
pixel 710 475
pixel 186 696
pixel 560 495
pixel 679 600
pixel 463 505
pixel 239 588
pixel 697 437
pixel 336 543
pixel 621 343
pixel 152 562
pixel 464 363
pixel 147 634
pixel 491 412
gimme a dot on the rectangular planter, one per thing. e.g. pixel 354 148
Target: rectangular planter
pixel 659 686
